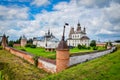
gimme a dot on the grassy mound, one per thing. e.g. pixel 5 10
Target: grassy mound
pixel 104 68
pixel 15 68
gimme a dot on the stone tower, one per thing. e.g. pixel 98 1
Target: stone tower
pixel 23 41
pixel 4 41
pixel 62 60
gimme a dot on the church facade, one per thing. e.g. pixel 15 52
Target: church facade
pixel 46 41
pixel 78 36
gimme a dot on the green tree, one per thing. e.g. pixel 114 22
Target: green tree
pixel 18 40
pixel 30 41
pixel 10 43
pixel 93 43
pixel 79 46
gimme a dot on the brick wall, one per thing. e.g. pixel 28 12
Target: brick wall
pixel 43 63
pixel 63 60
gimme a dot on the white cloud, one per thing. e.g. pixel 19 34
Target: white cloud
pixel 40 2
pixel 12 13
pixel 97 20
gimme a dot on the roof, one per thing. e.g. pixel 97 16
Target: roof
pixel 48 38
pixel 23 37
pixel 84 37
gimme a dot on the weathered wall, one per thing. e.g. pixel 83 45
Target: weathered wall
pixel 50 65
pixel 46 64
pixel 82 58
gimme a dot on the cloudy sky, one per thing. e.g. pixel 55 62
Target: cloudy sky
pixel 34 17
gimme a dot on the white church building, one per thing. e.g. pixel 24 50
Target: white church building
pixel 46 41
pixel 78 36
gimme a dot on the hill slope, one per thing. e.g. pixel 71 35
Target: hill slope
pixel 104 68
pixel 15 68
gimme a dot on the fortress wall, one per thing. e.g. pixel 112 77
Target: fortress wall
pixel 82 58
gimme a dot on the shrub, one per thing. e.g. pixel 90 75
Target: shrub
pixel 28 45
pixel 83 47
pixel 88 48
pixel 36 60
pixel 10 43
pixel 33 46
pixel 95 48
pixel 23 49
pixel 79 46
pixel 0 47
pixel 93 43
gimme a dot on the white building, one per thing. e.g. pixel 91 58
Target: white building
pixel 46 41
pixel 78 37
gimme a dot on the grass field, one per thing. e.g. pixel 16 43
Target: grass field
pixel 52 55
pixel 104 68
pixel 14 68
pixel 39 52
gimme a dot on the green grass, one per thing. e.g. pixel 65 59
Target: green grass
pixel 15 68
pixel 39 52
pixel 76 50
pixel 52 55
pixel 1 75
pixel 104 68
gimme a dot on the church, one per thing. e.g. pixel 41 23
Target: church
pixel 46 41
pixel 78 36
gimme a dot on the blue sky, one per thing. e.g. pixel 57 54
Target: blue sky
pixel 34 17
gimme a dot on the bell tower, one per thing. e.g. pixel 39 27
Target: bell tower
pixel 4 41
pixel 62 60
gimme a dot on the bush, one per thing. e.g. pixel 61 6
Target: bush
pixel 93 43
pixel 88 48
pixel 95 48
pixel 36 60
pixel 79 46
pixel 23 49
pixel 28 45
pixel 0 47
pixel 10 43
pixel 83 47
pixel 33 46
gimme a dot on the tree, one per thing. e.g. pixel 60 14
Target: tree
pixel 79 46
pixel 108 44
pixel 93 43
pixel 117 41
pixel 18 40
pixel 10 43
pixel 30 41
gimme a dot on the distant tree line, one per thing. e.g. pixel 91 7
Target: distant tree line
pixel 118 41
pixel 11 42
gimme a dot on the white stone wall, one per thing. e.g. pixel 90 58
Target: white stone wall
pixel 48 66
pixel 43 44
pixel 83 58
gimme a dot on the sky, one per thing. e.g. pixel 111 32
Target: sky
pixel 33 18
